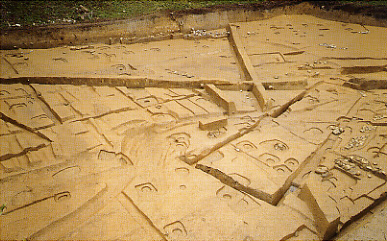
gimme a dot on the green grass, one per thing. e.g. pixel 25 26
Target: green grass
pixel 2 208
pixel 34 12
pixel 45 12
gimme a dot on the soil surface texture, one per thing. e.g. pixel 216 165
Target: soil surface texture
pixel 269 129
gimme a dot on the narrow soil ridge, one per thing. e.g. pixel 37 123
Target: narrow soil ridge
pixel 16 123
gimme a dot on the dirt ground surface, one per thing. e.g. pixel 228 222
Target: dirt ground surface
pixel 263 130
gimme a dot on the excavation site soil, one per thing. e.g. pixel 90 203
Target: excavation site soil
pixel 259 124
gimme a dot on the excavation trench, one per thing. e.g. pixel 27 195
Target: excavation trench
pixel 220 123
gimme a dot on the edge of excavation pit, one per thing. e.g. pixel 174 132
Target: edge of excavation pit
pixel 169 25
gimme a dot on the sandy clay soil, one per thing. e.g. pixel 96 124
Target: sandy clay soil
pixel 264 130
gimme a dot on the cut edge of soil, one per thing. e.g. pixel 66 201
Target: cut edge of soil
pixel 58 34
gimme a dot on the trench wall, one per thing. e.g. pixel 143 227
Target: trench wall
pixel 164 26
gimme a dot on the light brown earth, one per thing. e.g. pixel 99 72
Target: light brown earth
pixel 265 130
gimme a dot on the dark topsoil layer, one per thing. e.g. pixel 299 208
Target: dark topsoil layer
pixel 377 11
pixel 357 8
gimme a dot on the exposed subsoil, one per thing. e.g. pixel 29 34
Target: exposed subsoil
pixel 268 129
